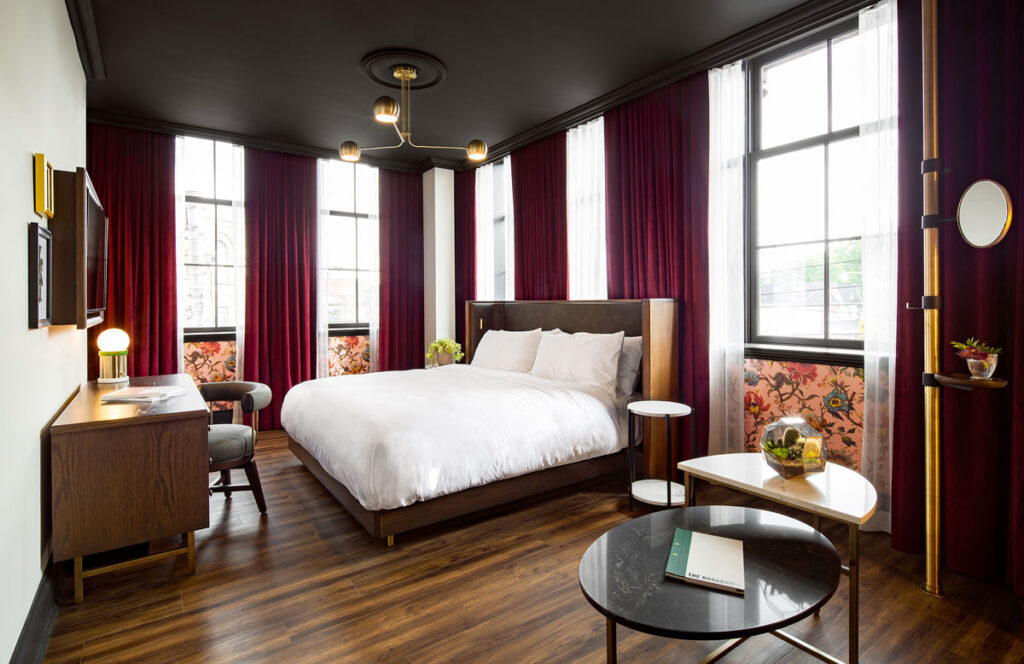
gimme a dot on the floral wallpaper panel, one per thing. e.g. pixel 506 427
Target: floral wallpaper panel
pixel 830 397
pixel 213 361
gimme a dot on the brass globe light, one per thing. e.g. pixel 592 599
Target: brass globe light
pixel 349 151
pixel 476 150
pixel 385 110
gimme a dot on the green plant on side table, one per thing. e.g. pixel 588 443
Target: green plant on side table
pixel 444 351
pixel 981 357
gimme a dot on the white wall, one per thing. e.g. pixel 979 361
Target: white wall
pixel 438 255
pixel 42 109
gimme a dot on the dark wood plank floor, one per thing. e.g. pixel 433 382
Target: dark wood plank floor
pixel 307 584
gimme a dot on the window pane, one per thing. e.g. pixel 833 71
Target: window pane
pixel 339 240
pixel 794 97
pixel 369 247
pixel 339 186
pixel 229 179
pixel 848 87
pixel 226 297
pixel 199 233
pixel 199 307
pixel 368 292
pixel 366 189
pixel 790 284
pixel 849 174
pixel 791 197
pixel 846 295
pixel 226 234
pixel 197 167
pixel 341 296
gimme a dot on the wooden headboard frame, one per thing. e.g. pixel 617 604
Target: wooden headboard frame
pixel 656 320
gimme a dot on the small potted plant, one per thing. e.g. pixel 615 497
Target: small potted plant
pixel 444 351
pixel 981 358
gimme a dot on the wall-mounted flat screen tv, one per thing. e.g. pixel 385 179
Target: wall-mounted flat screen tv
pixel 96 241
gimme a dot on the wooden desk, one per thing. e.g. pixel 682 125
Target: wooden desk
pixel 128 473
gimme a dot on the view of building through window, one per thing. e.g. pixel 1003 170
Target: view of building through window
pixel 210 174
pixel 349 238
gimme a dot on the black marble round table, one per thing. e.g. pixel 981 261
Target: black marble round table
pixel 790 571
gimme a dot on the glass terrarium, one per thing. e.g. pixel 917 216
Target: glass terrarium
pixel 793 448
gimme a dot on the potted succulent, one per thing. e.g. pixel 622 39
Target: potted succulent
pixel 981 358
pixel 793 448
pixel 444 351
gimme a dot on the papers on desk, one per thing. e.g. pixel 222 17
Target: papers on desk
pixel 143 394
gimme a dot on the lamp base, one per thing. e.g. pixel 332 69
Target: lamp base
pixel 122 379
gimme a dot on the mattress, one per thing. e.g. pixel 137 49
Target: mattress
pixel 397 437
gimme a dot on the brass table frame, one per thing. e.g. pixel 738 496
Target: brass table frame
pixel 851 570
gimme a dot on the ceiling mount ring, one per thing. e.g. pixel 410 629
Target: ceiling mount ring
pixel 379 67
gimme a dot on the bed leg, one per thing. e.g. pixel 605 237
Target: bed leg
pixel 389 541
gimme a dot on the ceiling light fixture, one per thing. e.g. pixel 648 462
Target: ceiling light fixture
pixel 398 114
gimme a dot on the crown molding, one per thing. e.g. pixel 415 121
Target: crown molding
pixel 245 140
pixel 774 32
pixel 83 25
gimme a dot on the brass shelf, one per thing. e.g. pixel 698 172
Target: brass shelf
pixel 964 381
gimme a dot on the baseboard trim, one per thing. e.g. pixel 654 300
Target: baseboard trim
pixel 35 634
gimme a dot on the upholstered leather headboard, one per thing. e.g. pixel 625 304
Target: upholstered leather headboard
pixel 655 320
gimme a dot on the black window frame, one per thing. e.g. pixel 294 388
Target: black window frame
pixel 357 327
pixel 803 346
pixel 216 332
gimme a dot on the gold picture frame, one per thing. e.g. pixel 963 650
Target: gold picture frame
pixel 43 171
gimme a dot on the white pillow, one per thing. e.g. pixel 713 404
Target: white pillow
pixel 507 351
pixel 589 359
pixel 629 365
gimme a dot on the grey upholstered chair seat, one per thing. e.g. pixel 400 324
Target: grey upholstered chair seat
pixel 230 441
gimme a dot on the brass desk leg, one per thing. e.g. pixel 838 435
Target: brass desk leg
pixel 854 577
pixel 610 634
pixel 78 580
pixel 191 552
pixel 690 493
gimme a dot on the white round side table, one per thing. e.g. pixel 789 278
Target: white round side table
pixel 652 491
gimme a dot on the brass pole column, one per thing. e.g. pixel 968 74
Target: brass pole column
pixel 931 289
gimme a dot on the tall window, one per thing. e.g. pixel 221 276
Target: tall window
pixel 349 244
pixel 806 185
pixel 495 246
pixel 211 242
pixel 584 175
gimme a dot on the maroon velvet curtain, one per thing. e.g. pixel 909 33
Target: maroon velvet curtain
pixel 401 271
pixel 465 248
pixel 981 135
pixel 133 172
pixel 538 199
pixel 656 179
pixel 280 275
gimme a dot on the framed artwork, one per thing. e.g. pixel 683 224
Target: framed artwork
pixel 40 253
pixel 43 171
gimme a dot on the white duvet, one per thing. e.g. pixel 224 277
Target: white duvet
pixel 397 437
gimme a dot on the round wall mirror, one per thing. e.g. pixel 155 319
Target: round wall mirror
pixel 984 213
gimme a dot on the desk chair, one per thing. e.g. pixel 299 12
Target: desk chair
pixel 233 445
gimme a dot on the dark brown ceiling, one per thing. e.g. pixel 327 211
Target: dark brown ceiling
pixel 290 71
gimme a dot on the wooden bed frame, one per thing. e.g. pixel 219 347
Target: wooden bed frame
pixel 655 320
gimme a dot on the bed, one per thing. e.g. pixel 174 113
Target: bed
pixel 398 454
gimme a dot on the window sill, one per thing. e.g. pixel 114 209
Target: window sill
pixel 808 354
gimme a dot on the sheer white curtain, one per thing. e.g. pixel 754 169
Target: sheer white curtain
pixel 725 257
pixel 322 336
pixel 485 232
pixel 180 211
pixel 494 201
pixel 877 37
pixel 510 224
pixel 586 233
pixel 237 175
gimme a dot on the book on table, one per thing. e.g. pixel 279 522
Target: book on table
pixel 143 394
pixel 706 560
